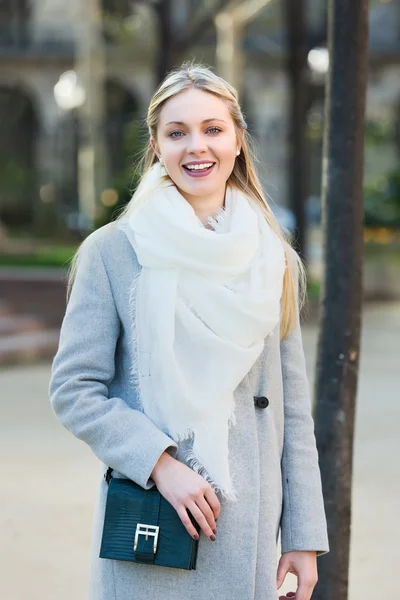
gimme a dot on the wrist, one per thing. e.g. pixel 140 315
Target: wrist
pixel 162 462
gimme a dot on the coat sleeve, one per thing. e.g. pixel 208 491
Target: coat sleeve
pixel 303 520
pixel 122 437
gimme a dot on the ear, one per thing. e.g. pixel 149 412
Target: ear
pixel 239 139
pixel 154 145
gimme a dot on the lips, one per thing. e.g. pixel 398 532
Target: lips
pixel 198 169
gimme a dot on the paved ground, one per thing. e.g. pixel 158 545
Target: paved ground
pixel 48 478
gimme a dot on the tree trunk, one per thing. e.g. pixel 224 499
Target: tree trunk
pixel 172 44
pixel 339 340
pixel 296 73
pixel 90 66
pixel 166 41
pixel 229 49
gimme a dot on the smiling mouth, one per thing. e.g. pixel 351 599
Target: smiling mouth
pixel 199 169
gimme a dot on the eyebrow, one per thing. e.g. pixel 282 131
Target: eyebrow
pixel 205 121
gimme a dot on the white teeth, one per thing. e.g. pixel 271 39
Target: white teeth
pixel 199 167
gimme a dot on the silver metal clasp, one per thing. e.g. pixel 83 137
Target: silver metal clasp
pixel 147 530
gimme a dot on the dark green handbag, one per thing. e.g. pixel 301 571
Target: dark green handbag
pixel 141 526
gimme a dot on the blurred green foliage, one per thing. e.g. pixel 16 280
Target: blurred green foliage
pixel 126 181
pixel 382 201
pixel 51 256
pixel 17 186
pixel 379 132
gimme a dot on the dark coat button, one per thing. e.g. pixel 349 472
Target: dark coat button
pixel 261 401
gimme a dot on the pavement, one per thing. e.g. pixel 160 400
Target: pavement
pixel 33 273
pixel 48 478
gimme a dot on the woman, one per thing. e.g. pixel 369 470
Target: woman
pixel 181 363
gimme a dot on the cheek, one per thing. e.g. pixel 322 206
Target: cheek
pixel 226 152
pixel 172 155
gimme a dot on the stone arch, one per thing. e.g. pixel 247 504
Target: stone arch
pixel 18 167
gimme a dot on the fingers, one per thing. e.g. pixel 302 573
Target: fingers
pixel 202 512
pixel 186 490
pixel 305 588
pixel 205 509
pixel 184 517
pixel 213 501
pixel 283 568
pixel 202 521
pixel 207 512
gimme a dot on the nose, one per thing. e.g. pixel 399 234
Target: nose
pixel 196 144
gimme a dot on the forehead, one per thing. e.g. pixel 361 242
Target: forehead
pixel 194 106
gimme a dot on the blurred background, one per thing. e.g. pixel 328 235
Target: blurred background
pixel 75 82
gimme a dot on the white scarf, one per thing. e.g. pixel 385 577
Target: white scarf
pixel 202 305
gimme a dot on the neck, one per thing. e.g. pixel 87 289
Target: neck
pixel 206 206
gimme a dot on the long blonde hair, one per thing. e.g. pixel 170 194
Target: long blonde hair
pixel 243 176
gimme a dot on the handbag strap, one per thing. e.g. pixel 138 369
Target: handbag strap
pixel 108 475
pixel 149 518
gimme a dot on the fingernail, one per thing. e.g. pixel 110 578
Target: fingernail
pixel 213 538
pixel 215 531
pixel 195 536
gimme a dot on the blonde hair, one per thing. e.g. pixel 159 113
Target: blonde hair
pixel 243 176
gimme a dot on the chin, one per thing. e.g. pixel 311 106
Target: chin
pixel 192 186
pixel 199 190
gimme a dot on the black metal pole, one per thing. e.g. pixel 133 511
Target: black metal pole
pixel 296 66
pixel 339 339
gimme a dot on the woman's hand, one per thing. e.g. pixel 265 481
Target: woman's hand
pixel 303 564
pixel 186 490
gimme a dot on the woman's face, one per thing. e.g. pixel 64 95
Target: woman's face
pixel 197 142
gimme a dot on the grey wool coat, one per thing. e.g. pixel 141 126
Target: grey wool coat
pixel 273 454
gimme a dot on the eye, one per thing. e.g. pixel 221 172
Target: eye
pixel 214 130
pixel 175 134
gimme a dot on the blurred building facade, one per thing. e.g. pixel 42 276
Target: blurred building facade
pixel 39 41
pixel 116 42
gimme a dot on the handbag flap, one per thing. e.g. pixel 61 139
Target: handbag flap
pixel 142 526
